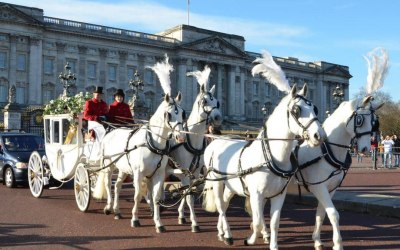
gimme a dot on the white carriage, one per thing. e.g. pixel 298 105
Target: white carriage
pixel 68 156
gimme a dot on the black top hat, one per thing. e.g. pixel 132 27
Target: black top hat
pixel 119 92
pixel 98 90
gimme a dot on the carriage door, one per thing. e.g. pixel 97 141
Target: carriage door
pixel 62 151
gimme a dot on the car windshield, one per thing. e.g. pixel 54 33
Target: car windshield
pixel 19 143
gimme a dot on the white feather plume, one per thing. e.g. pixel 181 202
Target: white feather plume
pixel 163 70
pixel 271 71
pixel 378 65
pixel 201 76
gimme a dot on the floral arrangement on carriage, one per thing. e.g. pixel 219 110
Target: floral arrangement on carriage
pixel 72 105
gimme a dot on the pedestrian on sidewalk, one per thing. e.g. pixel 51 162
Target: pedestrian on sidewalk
pixel 374 151
pixel 396 151
pixel 387 151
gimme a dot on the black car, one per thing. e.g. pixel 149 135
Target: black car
pixel 15 150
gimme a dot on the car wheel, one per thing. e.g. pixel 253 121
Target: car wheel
pixel 9 178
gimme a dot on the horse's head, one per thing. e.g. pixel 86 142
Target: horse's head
pixel 174 116
pixel 361 120
pixel 302 117
pixel 208 106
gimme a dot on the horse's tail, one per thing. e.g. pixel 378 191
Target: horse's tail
pixel 99 191
pixel 247 206
pixel 209 198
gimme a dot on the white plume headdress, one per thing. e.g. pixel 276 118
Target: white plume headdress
pixel 271 71
pixel 378 65
pixel 201 76
pixel 163 70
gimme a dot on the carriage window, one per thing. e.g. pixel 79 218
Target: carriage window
pixel 69 132
pixel 56 131
pixel 47 130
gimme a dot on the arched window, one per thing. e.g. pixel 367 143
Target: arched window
pixel 48 92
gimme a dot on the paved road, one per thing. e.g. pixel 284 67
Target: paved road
pixel 54 222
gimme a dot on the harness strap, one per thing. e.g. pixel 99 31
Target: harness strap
pixel 153 148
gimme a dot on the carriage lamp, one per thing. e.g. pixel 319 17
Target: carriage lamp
pixel 67 79
pixel 136 84
pixel 338 94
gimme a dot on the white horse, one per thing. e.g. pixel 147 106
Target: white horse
pixel 261 169
pixel 323 169
pixel 189 155
pixel 143 153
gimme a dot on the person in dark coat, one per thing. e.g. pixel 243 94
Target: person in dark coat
pixel 119 111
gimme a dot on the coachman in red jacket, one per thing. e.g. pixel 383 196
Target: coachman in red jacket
pixel 96 109
pixel 119 111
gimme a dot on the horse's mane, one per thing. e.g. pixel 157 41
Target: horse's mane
pixel 343 112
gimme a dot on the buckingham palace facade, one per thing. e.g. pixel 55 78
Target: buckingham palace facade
pixel 35 48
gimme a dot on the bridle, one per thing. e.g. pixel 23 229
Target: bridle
pixel 358 121
pixel 295 113
pixel 168 116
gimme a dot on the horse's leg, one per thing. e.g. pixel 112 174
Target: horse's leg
pixel 107 181
pixel 224 231
pixel 264 229
pixel 181 208
pixel 190 202
pixel 137 178
pixel 319 220
pixel 117 190
pixel 257 208
pixel 324 197
pixel 157 189
pixel 275 214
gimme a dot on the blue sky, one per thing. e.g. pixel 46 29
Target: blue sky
pixel 337 31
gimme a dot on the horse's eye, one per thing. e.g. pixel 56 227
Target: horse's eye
pixel 315 110
pixel 204 102
pixel 296 111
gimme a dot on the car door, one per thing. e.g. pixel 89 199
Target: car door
pixel 2 159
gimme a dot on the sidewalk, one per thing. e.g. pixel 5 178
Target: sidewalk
pixel 364 190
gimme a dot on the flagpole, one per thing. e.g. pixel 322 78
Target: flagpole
pixel 188 3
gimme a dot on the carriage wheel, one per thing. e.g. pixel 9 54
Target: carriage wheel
pixel 35 174
pixel 82 187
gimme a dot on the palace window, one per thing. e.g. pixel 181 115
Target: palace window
pixel 3 60
pixel 20 97
pixel 91 71
pixel 48 66
pixel 112 72
pixel 255 88
pixel 21 62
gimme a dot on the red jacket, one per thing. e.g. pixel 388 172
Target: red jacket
pixel 120 113
pixel 94 109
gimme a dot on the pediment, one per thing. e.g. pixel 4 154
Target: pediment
pixel 11 14
pixel 337 70
pixel 214 44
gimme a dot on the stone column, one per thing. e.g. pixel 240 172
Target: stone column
pixel 82 67
pixel 35 71
pixel 218 84
pixel 102 67
pixel 13 60
pixel 181 77
pixel 231 102
pixel 60 64
pixel 123 82
pixel 242 92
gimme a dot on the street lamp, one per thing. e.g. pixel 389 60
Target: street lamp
pixel 264 110
pixel 137 84
pixel 338 95
pixel 67 79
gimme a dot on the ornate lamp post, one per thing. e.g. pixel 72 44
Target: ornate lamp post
pixel 264 110
pixel 136 84
pixel 67 79
pixel 338 95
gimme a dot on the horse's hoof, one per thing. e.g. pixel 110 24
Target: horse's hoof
pixel 220 237
pixel 266 240
pixel 228 241
pixel 245 242
pixel 135 223
pixel 161 229
pixel 320 247
pixel 181 221
pixel 107 211
pixel 117 216
pixel 195 229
